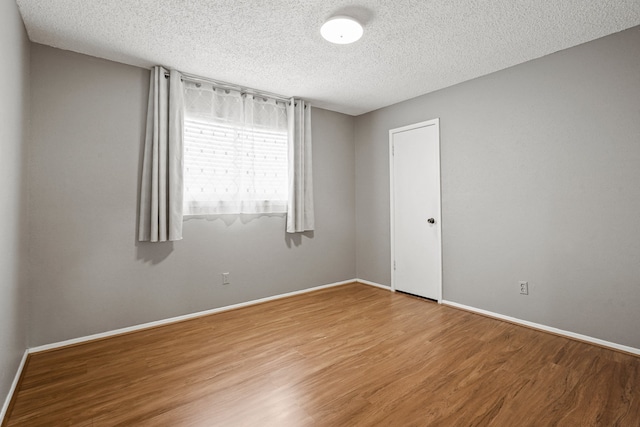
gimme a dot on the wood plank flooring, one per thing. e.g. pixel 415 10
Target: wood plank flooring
pixel 353 355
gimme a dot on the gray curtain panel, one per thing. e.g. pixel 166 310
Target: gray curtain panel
pixel 300 216
pixel 160 218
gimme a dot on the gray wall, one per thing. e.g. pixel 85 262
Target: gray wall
pixel 540 182
pixel 87 272
pixel 14 110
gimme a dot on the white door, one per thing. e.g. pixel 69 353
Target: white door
pixel 416 251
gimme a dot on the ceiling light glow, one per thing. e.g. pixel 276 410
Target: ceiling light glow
pixel 341 30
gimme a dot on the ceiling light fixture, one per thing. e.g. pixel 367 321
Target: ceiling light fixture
pixel 341 30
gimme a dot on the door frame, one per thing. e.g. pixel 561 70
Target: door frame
pixel 436 123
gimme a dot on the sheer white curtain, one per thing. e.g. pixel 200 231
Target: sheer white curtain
pixel 235 152
pixel 160 216
pixel 300 213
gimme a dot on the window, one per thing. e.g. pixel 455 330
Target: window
pixel 235 152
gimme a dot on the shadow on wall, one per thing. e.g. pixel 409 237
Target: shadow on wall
pixel 295 239
pixel 153 253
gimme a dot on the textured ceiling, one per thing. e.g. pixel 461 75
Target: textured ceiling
pixel 409 47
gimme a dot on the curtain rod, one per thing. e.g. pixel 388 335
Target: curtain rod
pixel 224 85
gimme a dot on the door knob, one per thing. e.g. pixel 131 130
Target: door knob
pixel 431 221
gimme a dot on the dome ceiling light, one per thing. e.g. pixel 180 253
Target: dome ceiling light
pixel 341 30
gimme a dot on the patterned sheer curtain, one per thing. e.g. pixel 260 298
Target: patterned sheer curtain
pixel 236 152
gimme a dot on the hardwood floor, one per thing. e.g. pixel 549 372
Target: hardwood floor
pixel 352 355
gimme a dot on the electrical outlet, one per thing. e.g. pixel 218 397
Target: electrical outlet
pixel 225 278
pixel 524 288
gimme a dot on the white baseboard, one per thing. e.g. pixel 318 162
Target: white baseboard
pixel 377 285
pixel 179 318
pixel 14 386
pixel 556 331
